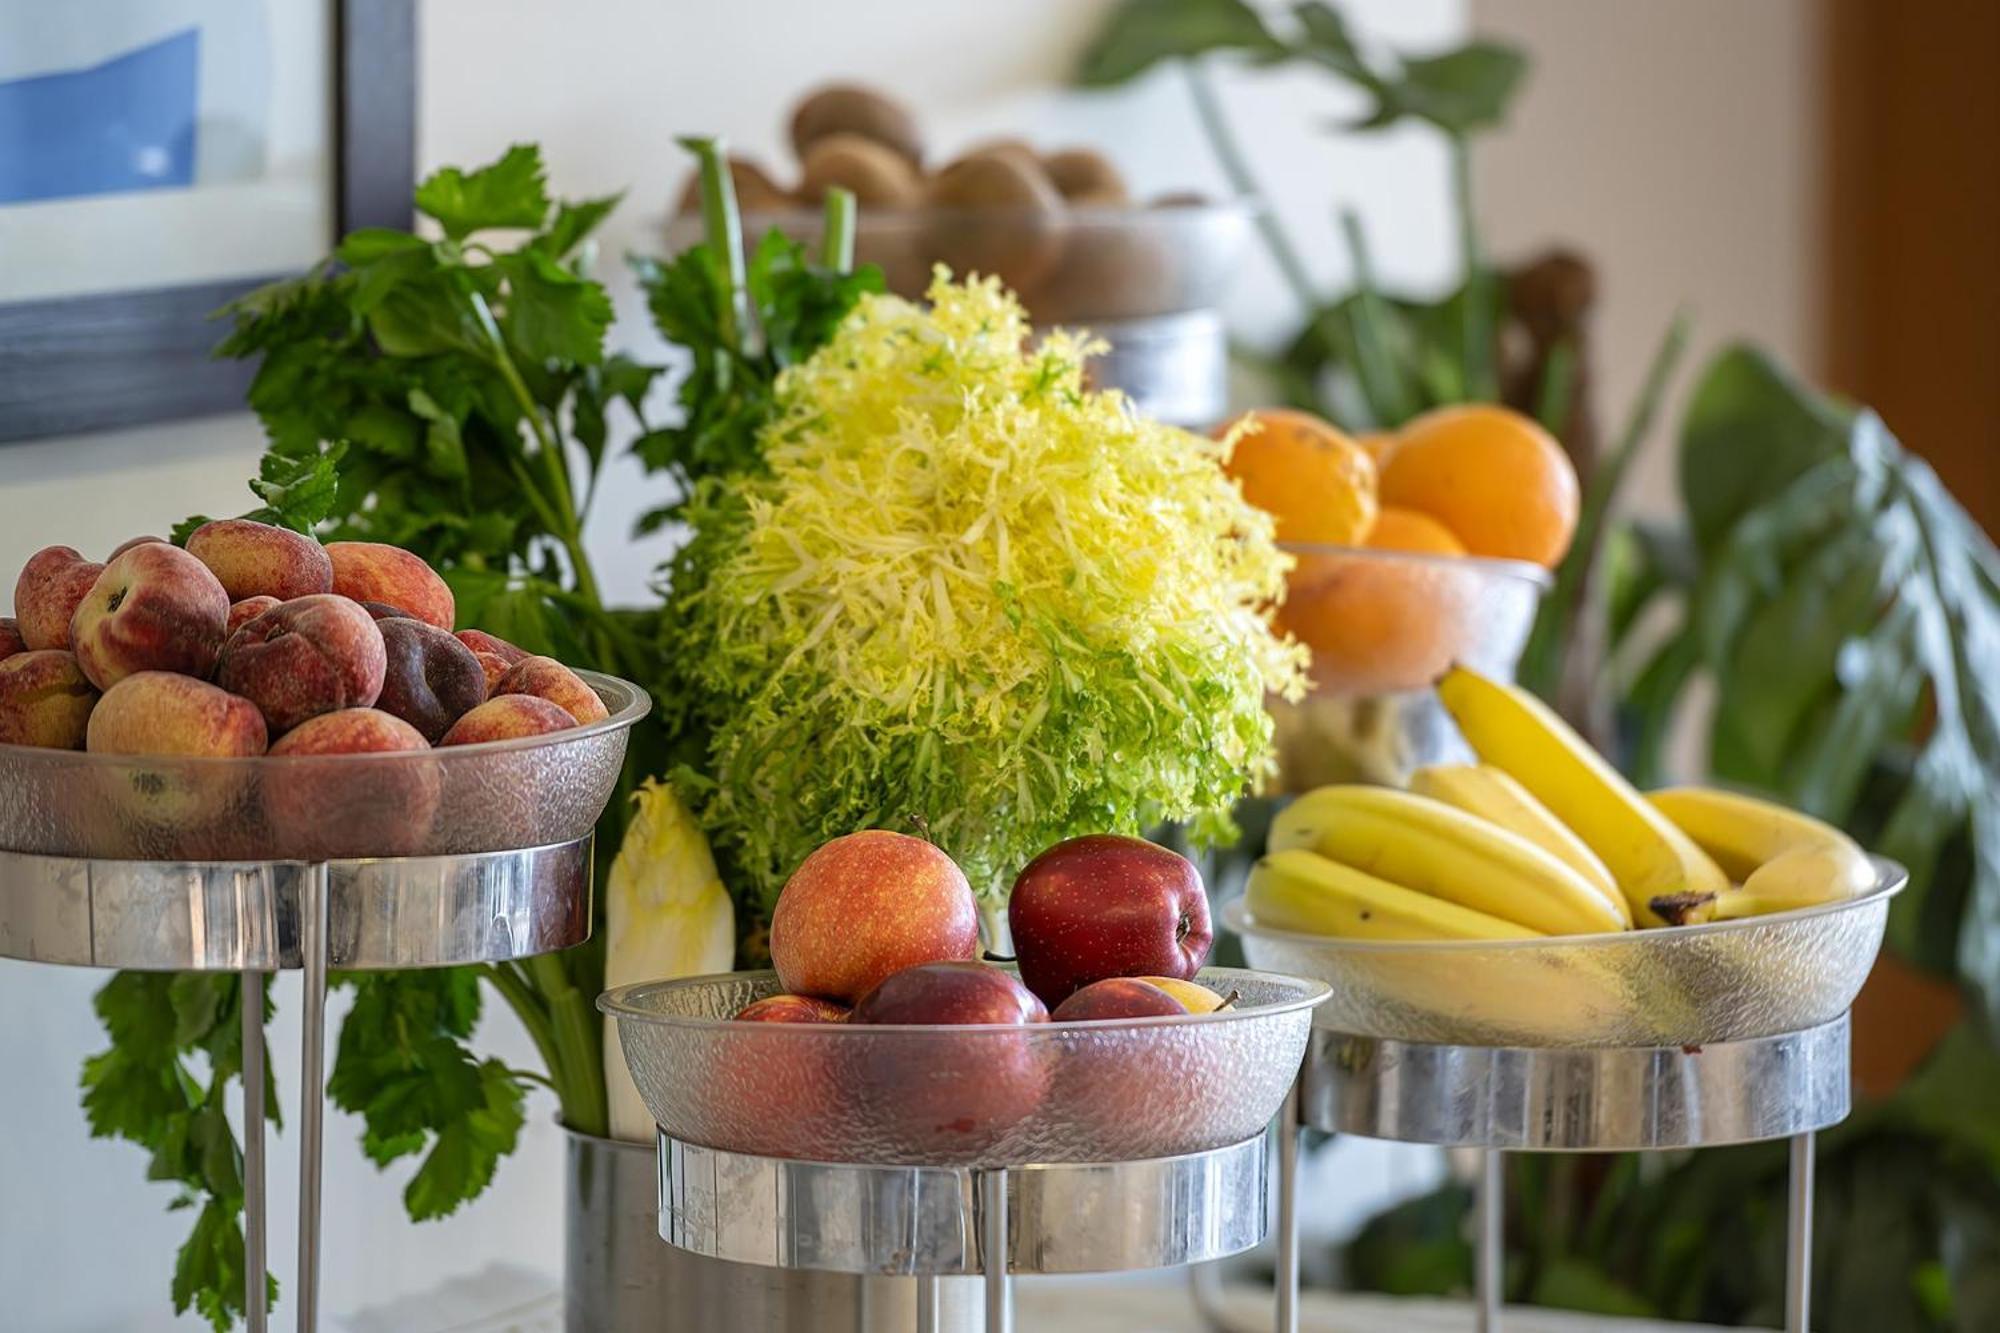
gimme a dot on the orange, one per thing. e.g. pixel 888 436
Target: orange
pixel 1378 444
pixel 1399 529
pixel 1317 483
pixel 1495 478
pixel 1375 624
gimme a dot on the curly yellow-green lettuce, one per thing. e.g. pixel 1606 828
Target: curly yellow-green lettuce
pixel 974 597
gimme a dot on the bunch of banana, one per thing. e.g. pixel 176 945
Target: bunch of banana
pixel 1542 838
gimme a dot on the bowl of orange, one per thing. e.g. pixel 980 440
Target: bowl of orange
pixel 1413 550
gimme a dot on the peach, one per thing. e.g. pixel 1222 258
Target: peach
pixel 129 543
pixel 496 655
pixel 44 700
pixel 546 678
pixel 384 611
pixel 363 808
pixel 53 583
pixel 508 718
pixel 154 608
pixel 432 680
pixel 373 572
pixel 305 657
pixel 161 713
pixel 259 560
pixel 10 638
pixel 243 612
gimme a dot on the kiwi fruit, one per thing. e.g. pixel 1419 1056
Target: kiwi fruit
pixel 880 177
pixel 997 213
pixel 1085 176
pixel 756 192
pixel 845 108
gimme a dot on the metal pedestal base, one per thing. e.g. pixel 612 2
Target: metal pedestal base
pixel 256 917
pixel 1566 1099
pixel 944 1221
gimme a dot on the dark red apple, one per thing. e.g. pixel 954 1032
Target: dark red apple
pixel 791 1009
pixel 1107 906
pixel 1117 997
pixel 866 905
pixel 950 1094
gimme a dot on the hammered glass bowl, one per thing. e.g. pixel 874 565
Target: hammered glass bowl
pixel 1382 627
pixel 891 1095
pixel 500 795
pixel 1671 986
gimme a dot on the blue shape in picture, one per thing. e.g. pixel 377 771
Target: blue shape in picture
pixel 123 125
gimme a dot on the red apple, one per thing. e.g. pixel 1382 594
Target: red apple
pixel 791 1009
pixel 951 1094
pixel 1107 906
pixel 1117 997
pixel 867 905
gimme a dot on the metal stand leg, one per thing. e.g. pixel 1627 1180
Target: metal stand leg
pixel 927 1305
pixel 312 1090
pixel 994 1251
pixel 251 1000
pixel 1288 1213
pixel 1799 1237
pixel 1489 1257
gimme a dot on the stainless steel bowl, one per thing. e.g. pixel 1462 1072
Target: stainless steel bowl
pixel 989 1095
pixel 1673 986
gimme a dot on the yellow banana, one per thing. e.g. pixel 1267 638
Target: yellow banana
pixel 1784 859
pixel 1660 870
pixel 1433 848
pixel 1488 792
pixel 1303 891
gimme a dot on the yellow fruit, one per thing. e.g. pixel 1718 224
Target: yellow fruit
pixel 1494 477
pixel 1488 792
pixel 1783 858
pixel 1398 529
pixel 1658 867
pixel 1194 997
pixel 1317 483
pixel 1302 891
pixel 1441 851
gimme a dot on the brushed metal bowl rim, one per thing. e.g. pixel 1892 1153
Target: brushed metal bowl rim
pixel 1890 879
pixel 1496 567
pixel 624 1003
pixel 626 703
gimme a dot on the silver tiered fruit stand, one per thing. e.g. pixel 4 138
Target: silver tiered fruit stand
pixel 254 916
pixel 1088 1180
pixel 1651 1040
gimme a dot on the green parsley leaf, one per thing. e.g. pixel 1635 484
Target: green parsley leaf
pixel 512 192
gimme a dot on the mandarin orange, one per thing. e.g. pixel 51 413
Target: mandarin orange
pixel 1318 483
pixel 1499 481
pixel 1399 529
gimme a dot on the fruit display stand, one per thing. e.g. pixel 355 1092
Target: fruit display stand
pixel 943 1151
pixel 479 853
pixel 1673 1038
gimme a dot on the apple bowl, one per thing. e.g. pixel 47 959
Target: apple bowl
pixel 1671 986
pixel 975 1094
pixel 494 796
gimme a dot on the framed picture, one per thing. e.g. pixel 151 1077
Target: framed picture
pixel 158 158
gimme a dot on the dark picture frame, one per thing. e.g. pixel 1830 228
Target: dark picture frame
pixel 94 362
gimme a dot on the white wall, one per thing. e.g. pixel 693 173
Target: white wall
pixel 1678 146
pixel 605 85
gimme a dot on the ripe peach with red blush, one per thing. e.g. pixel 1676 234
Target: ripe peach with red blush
pixel 10 638
pixel 432 680
pixel 546 678
pixel 160 713
pixel 792 1009
pixel 154 608
pixel 308 656
pixel 259 560
pixel 243 612
pixel 373 572
pixel 51 586
pixel 168 807
pixel 45 700
pixel 510 717
pixel 363 808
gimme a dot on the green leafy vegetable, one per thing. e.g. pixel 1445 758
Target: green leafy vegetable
pixel 972 592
